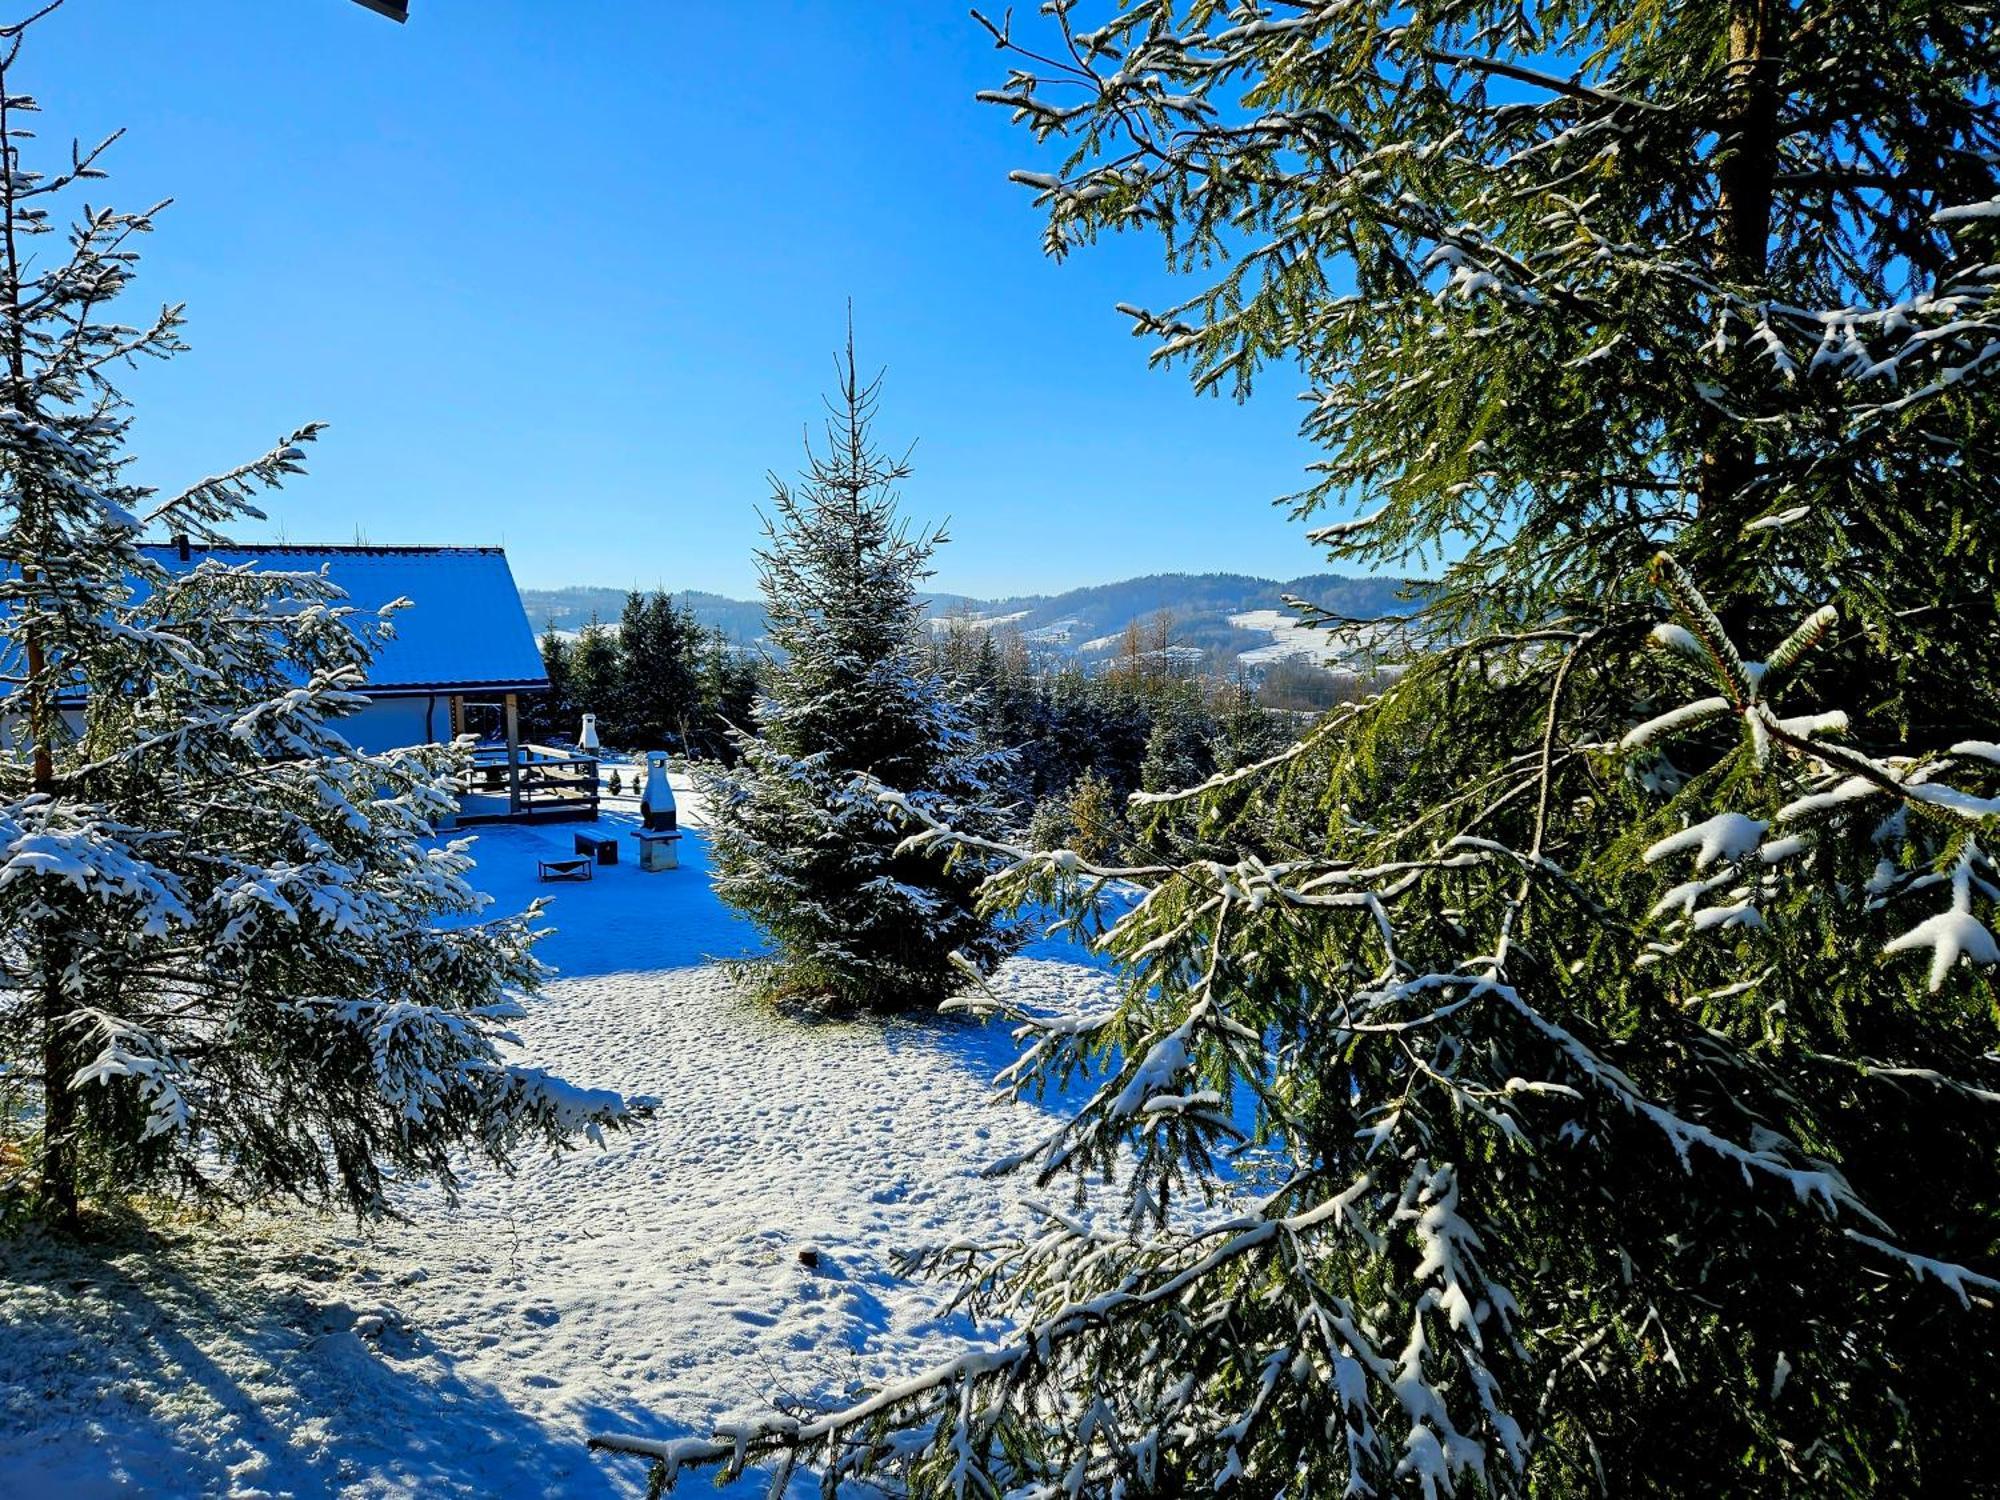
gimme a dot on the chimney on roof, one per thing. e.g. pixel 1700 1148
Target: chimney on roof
pixel 181 546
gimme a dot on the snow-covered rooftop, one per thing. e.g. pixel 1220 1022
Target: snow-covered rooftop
pixel 465 627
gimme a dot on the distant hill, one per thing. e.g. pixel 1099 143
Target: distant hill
pixel 1208 612
pixel 1230 618
pixel 573 608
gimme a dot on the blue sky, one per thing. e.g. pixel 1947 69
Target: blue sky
pixel 568 275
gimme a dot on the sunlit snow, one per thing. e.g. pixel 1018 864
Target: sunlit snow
pixel 732 1255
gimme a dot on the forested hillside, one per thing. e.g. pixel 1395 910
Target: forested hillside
pixel 1202 610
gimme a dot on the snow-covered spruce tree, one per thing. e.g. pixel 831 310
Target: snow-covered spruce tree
pixel 800 842
pixel 553 715
pixel 1609 999
pixel 233 961
pixel 596 673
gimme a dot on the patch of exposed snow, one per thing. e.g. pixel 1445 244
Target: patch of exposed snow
pixel 1055 633
pixel 471 1350
pixel 944 623
pixel 1290 639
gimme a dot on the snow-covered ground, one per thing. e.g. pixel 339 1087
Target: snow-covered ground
pixel 649 1287
pixel 1326 647
pixel 945 624
pixel 1055 633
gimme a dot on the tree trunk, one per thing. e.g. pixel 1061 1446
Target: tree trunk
pixel 58 1194
pixel 1746 167
pixel 59 1113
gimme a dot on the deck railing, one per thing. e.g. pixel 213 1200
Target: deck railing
pixel 537 781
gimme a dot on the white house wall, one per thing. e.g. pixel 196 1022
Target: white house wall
pixel 392 723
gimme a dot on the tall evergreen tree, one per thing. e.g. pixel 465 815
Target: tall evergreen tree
pixel 1180 747
pixel 1616 1023
pixel 800 839
pixel 554 715
pixel 596 680
pixel 727 694
pixel 233 960
pixel 658 688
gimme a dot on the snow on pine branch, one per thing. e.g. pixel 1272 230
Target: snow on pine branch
pixel 1835 783
pixel 1175 1054
pixel 237 959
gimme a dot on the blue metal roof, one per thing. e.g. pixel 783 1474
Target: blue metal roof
pixel 464 629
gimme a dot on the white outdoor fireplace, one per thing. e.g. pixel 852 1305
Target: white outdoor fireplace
pixel 659 829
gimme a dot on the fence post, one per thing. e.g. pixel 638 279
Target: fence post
pixel 513 755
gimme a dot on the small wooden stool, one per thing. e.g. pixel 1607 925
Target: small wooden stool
pixel 564 869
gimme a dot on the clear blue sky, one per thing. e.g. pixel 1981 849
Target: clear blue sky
pixel 568 274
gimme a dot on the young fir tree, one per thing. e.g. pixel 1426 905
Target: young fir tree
pixel 1180 748
pixel 1098 814
pixel 800 841
pixel 727 688
pixel 658 691
pixel 1611 998
pixel 233 960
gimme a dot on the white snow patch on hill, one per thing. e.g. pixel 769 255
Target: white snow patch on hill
pixel 1055 633
pixel 1289 638
pixel 944 624
pixel 650 1287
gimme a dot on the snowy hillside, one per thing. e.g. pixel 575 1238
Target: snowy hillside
pixel 1227 617
pixel 732 1255
pixel 1324 647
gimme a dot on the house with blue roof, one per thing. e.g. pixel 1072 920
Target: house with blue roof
pixel 461 658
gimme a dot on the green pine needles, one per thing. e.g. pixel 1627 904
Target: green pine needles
pixel 1581 1072
pixel 235 961
pixel 800 842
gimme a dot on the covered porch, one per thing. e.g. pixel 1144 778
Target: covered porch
pixel 513 780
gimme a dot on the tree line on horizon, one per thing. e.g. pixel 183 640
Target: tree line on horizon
pixel 1148 719
pixel 658 680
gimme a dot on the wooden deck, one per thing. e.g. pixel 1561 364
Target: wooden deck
pixel 527 784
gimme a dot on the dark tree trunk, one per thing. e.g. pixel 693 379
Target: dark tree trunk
pixel 59 1112
pixel 59 1115
pixel 1746 170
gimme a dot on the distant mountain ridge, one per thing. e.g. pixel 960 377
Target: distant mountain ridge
pixel 572 608
pixel 1230 618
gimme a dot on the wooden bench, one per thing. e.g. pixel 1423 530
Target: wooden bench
pixel 563 869
pixel 596 846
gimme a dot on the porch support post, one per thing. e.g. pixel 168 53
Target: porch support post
pixel 513 755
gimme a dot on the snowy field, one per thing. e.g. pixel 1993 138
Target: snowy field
pixel 649 1287
pixel 1290 638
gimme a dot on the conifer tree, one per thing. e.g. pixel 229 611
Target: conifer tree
pixel 1099 819
pixel 555 715
pixel 597 681
pixel 1609 998
pixel 727 690
pixel 658 692
pixel 800 841
pixel 233 960
pixel 1180 748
